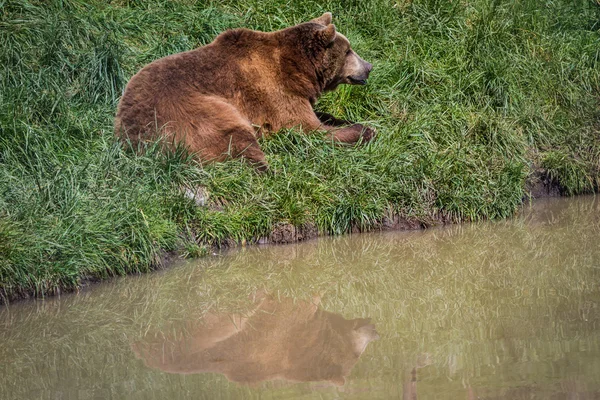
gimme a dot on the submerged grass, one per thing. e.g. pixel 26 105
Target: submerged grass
pixel 468 97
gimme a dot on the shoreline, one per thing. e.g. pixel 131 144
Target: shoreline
pixel 538 188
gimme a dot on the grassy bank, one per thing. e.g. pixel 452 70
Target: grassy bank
pixel 469 98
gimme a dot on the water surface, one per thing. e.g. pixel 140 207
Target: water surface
pixel 492 310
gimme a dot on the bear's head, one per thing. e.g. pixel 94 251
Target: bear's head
pixel 330 54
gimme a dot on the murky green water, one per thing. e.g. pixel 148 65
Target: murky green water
pixel 502 310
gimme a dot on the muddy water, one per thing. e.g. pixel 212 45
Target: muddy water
pixel 494 310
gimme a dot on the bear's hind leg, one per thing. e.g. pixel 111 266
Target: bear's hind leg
pixel 220 131
pixel 243 144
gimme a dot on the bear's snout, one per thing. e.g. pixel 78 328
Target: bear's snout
pixel 358 70
pixel 367 67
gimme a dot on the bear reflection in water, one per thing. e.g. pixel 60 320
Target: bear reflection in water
pixel 285 339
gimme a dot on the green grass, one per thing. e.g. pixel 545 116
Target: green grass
pixel 468 98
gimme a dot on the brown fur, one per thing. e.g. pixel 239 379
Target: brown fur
pixel 217 99
pixel 295 341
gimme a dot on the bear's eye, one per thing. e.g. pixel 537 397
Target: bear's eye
pixel 348 52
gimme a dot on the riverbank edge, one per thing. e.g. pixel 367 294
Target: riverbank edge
pixel 538 185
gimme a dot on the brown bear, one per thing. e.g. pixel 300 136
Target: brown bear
pixel 218 99
pixel 279 339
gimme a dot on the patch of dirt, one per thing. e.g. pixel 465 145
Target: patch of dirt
pixel 288 233
pixel 397 223
pixel 539 185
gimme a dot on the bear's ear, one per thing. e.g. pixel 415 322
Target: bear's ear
pixel 326 35
pixel 324 19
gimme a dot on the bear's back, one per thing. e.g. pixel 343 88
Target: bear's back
pixel 159 92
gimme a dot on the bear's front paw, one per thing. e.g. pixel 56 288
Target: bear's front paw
pixel 367 133
pixel 364 133
pixel 353 134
